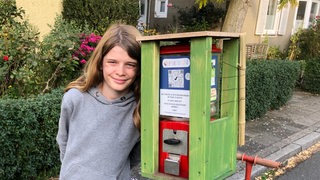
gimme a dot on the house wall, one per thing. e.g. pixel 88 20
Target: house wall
pixel 250 22
pixel 40 13
pixel 249 26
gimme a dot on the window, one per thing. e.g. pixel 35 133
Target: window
pixel 161 9
pixel 142 7
pixel 271 20
pixel 313 12
pixel 300 14
pixel 271 14
pixel 306 13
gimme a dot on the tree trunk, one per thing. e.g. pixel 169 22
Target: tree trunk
pixel 237 11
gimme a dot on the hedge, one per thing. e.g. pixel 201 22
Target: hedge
pixel 28 129
pixel 269 85
pixel 311 78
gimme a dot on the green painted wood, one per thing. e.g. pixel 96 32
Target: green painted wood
pixel 212 144
pixel 229 85
pixel 225 130
pixel 200 74
pixel 150 61
pixel 221 147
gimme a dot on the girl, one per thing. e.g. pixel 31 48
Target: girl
pixel 99 123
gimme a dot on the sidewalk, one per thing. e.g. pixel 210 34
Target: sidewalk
pixel 281 133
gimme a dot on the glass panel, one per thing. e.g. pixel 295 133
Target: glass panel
pixel 271 14
pixel 301 10
pixel 142 6
pixel 163 6
pixel 313 13
pixel 300 14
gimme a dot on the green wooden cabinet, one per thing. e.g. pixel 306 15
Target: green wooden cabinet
pixel 212 144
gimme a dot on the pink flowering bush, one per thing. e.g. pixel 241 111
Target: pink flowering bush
pixel 87 46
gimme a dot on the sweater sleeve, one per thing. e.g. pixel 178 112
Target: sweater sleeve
pixel 62 136
pixel 135 155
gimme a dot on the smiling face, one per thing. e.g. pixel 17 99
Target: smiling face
pixel 119 72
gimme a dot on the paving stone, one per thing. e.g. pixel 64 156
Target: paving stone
pixel 308 140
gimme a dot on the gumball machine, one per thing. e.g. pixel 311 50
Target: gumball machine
pixel 189 105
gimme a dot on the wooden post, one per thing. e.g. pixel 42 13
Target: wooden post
pixel 242 90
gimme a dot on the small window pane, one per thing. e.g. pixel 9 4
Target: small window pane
pixel 301 10
pixel 313 13
pixel 142 8
pixel 271 14
pixel 162 6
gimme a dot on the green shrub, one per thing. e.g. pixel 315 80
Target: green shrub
pixel 29 67
pixel 269 85
pixel 259 91
pixel 274 52
pixel 305 46
pixel 311 78
pixel 286 74
pixel 18 45
pixel 305 43
pixel 28 129
pixel 99 14
pixel 57 66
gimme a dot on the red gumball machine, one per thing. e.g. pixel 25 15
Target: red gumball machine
pixel 174 106
pixel 174 145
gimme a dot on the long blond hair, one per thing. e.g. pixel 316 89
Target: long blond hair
pixel 116 35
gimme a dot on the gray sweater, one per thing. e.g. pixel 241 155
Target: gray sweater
pixel 97 137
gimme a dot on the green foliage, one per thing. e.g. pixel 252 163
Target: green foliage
pixel 18 45
pixel 274 52
pixel 203 3
pixel 195 19
pixel 9 12
pixel 99 14
pixel 285 2
pixel 57 66
pixel 311 78
pixel 305 43
pixel 28 129
pixel 29 67
pixel 286 74
pixel 269 85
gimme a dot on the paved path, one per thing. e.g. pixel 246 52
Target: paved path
pixel 282 133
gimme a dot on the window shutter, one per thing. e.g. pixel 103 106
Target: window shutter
pixel 284 20
pixel 262 16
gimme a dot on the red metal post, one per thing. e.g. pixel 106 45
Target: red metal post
pixel 250 161
pixel 248 170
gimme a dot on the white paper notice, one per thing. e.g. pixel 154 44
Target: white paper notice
pixel 174 103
